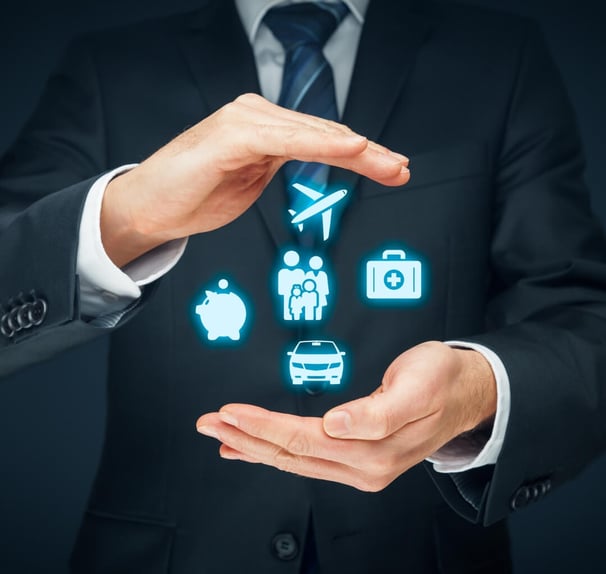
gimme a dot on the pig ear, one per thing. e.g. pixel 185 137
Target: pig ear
pixel 209 293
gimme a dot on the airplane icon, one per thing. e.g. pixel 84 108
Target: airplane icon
pixel 322 204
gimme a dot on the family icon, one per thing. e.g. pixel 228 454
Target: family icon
pixel 304 290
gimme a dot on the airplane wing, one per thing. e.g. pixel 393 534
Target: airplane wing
pixel 311 193
pixel 326 218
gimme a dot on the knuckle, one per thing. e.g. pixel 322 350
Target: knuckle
pixel 285 460
pixel 298 444
pixel 382 466
pixel 389 422
pixel 380 422
pixel 248 98
pixel 263 131
pixel 253 427
pixel 226 109
pixel 361 483
pixel 291 138
pixel 228 112
pixel 370 484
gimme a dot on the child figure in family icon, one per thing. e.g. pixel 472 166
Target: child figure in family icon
pixel 295 302
pixel 304 292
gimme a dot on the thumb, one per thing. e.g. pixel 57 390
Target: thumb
pixel 370 418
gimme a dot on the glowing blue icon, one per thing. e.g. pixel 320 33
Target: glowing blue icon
pixel 222 313
pixel 316 362
pixel 393 277
pixel 321 205
pixel 304 292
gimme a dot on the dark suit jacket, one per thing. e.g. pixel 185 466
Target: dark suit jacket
pixel 496 207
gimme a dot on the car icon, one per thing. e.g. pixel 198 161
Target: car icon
pixel 316 362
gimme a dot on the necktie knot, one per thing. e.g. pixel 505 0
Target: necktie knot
pixel 305 23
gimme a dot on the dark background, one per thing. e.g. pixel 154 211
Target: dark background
pixel 52 415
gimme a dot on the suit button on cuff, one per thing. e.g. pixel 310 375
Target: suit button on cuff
pixel 285 546
pixel 545 486
pixel 521 498
pixel 12 321
pixel 37 311
pixel 5 329
pixel 23 316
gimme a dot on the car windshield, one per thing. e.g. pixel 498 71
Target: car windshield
pixel 316 347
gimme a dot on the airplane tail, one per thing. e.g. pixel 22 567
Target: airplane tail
pixel 293 213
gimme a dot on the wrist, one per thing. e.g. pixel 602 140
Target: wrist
pixel 480 397
pixel 123 234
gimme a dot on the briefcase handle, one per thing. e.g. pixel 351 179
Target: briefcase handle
pixel 394 254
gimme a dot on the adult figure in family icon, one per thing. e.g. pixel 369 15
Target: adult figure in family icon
pixel 320 278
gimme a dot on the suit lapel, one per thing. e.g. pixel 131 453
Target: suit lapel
pixel 390 39
pixel 219 54
pixel 223 66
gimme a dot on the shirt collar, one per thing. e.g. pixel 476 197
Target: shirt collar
pixel 253 11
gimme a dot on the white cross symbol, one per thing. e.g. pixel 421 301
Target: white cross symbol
pixel 394 279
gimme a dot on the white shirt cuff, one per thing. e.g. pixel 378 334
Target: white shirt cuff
pixel 105 288
pixel 472 450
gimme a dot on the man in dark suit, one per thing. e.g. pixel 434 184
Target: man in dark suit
pixel 496 209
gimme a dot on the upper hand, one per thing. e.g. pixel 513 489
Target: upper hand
pixel 210 174
pixel 429 395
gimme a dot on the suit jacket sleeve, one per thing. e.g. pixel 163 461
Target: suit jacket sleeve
pixel 44 180
pixel 547 313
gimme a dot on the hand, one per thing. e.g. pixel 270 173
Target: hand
pixel 429 395
pixel 212 173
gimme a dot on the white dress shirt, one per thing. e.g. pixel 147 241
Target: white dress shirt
pixel 106 291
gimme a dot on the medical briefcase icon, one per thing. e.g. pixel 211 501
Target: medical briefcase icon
pixel 393 277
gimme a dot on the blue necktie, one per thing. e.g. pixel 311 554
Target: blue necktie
pixel 308 87
pixel 307 82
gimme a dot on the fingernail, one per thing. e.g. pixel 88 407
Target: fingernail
pixel 337 423
pixel 391 158
pixel 208 431
pixel 400 157
pixel 228 418
pixel 404 170
pixel 229 456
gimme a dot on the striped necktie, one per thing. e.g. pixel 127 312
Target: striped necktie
pixel 307 82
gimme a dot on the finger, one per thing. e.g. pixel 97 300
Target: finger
pixel 302 436
pixel 232 454
pixel 386 459
pixel 254 104
pixel 376 416
pixel 376 166
pixel 242 441
pixel 239 144
pixel 266 129
pixel 327 129
pixel 382 149
pixel 308 467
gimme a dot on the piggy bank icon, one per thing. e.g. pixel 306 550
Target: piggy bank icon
pixel 222 313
